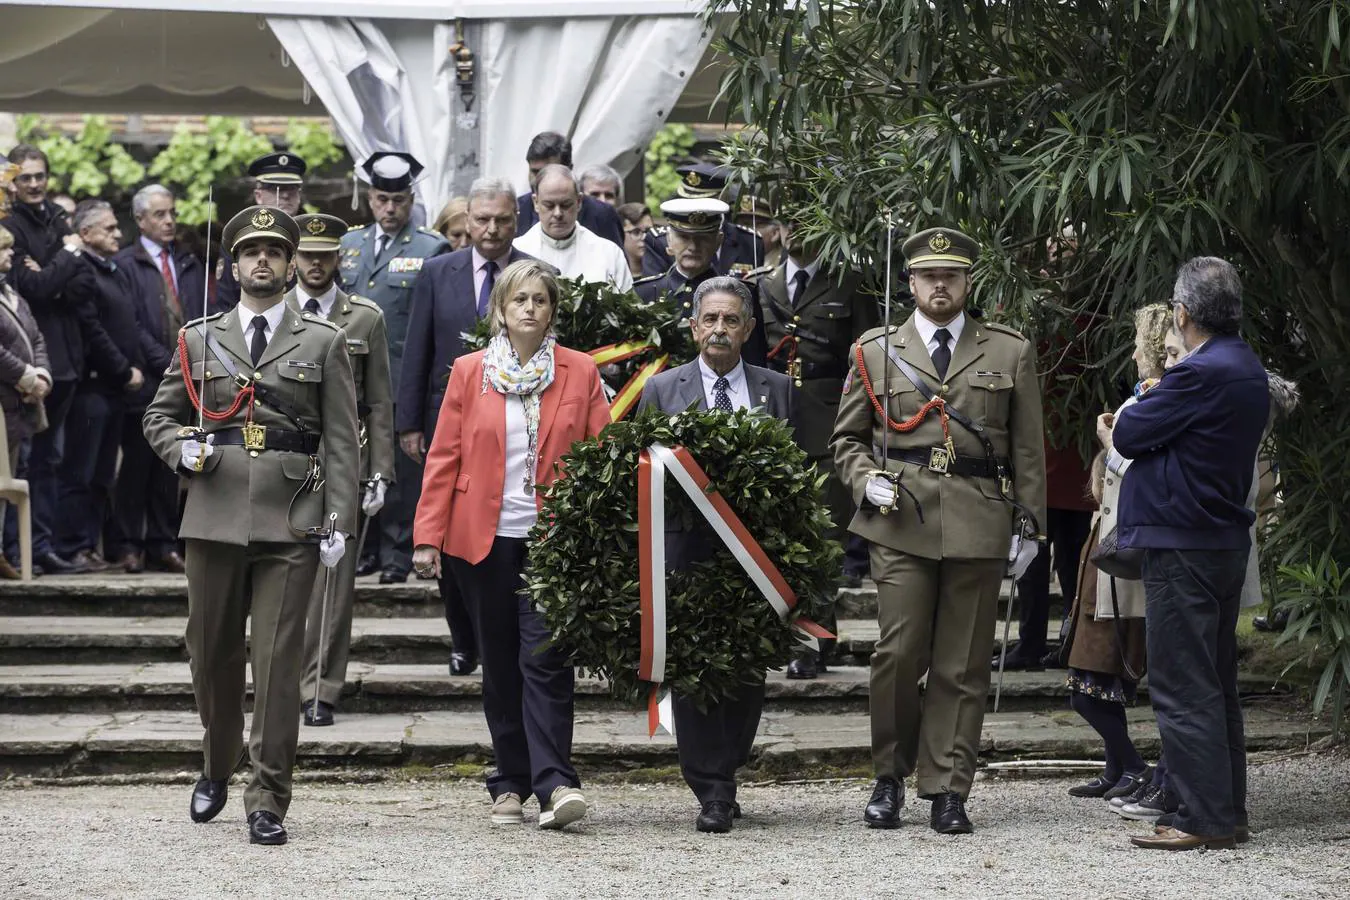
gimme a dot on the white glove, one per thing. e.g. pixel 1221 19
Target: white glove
pixel 880 491
pixel 1021 554
pixel 373 501
pixel 195 452
pixel 331 549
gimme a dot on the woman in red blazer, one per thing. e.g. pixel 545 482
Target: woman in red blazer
pixel 510 413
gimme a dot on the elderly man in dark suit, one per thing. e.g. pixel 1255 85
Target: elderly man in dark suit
pixel 450 296
pixel 713 744
pixel 1194 439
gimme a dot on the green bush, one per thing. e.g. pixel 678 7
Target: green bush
pixel 668 147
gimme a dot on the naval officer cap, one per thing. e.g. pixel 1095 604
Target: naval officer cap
pixel 940 248
pixel 701 179
pixel 260 223
pixel 391 170
pixel 320 233
pixel 691 216
pixel 278 168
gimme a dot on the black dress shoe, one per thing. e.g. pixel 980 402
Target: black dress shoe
pixel 317 715
pixel 715 817
pixel 1097 787
pixel 1019 662
pixel 90 561
pixel 1276 621
pixel 883 810
pixel 462 663
pixel 804 667
pixel 132 562
pixel 53 565
pixel 172 561
pixel 208 799
pixel 265 828
pixel 949 815
pixel 389 576
pixel 368 565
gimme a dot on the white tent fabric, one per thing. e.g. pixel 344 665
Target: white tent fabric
pixel 437 10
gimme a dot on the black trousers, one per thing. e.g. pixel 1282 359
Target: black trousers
pixel 88 467
pixel 527 687
pixel 145 499
pixel 1193 599
pixel 714 744
pixel 1067 531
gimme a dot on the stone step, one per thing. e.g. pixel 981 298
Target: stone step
pixel 790 743
pixel 72 639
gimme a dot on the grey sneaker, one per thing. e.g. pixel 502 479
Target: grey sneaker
pixel 1118 802
pixel 507 810
pixel 565 806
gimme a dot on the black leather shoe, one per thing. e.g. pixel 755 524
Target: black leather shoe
pixel 1276 621
pixel 949 815
pixel 462 663
pixel 883 810
pixel 735 810
pixel 1018 662
pixel 368 565
pixel 265 828
pixel 54 565
pixel 715 817
pixel 389 576
pixel 320 715
pixel 1128 784
pixel 1097 787
pixel 169 561
pixel 208 799
pixel 804 667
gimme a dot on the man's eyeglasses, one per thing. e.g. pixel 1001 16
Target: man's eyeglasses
pixel 633 232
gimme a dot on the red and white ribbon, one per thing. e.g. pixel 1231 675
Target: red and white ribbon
pixel 653 465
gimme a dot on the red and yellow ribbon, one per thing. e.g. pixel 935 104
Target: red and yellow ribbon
pixel 631 392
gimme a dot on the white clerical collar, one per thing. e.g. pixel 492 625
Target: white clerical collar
pixel 927 327
pixel 326 299
pixel 554 243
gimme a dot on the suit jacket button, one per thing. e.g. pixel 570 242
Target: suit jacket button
pixel 371 283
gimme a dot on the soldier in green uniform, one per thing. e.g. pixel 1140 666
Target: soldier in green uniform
pixel 381 261
pixel 813 312
pixel 939 440
pixel 250 398
pixel 328 635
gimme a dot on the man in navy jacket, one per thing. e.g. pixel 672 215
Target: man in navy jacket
pixel 1194 438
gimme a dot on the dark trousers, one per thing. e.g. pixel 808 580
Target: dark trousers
pixel 88 467
pixel 19 451
pixel 714 744
pixel 527 687
pixel 44 468
pixel 1193 598
pixel 1067 532
pixel 145 499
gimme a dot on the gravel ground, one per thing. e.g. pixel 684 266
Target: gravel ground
pixel 433 839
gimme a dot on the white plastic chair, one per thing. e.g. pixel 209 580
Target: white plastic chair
pixel 15 490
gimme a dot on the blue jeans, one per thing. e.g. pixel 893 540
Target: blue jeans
pixel 44 468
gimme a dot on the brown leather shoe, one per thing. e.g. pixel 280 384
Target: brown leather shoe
pixel 168 562
pixel 7 570
pixel 90 561
pixel 132 562
pixel 1171 839
pixel 1242 835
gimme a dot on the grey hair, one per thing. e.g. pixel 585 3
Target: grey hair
pixel 605 175
pixel 557 170
pixel 86 211
pixel 141 202
pixel 488 186
pixel 1211 291
pixel 725 284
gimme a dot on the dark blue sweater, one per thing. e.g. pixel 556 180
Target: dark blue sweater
pixel 1194 439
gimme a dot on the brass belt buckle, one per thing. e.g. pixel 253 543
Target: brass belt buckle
pixel 255 436
pixel 939 459
pixel 795 371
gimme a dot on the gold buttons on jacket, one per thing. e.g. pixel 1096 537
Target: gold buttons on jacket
pixel 300 376
pixel 257 376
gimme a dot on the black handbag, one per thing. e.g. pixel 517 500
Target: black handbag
pixel 1126 563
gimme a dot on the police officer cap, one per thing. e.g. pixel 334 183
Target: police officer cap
pixel 278 168
pixel 320 233
pixel 692 216
pixel 701 179
pixel 391 171
pixel 260 222
pixel 940 248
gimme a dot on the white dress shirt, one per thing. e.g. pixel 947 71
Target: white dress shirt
pixel 326 299
pixel 737 390
pixel 272 315
pixel 810 269
pixel 480 270
pixel 928 329
pixel 155 250
pixel 583 255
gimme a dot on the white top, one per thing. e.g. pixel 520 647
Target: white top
pixel 326 299
pixel 155 250
pixel 928 328
pixel 272 315
pixel 584 255
pixel 737 390
pixel 519 509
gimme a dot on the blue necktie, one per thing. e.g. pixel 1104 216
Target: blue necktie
pixel 490 278
pixel 721 400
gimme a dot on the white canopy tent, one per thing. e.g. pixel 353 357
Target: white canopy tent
pixel 606 72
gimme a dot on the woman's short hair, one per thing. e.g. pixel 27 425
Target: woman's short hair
pixel 1151 324
pixel 632 213
pixel 457 208
pixel 515 279
pixel 6 238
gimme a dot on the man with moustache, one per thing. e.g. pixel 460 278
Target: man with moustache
pixel 316 294
pixel 279 182
pixel 451 295
pixel 382 261
pixel 274 463
pixel 557 238
pixel 956 404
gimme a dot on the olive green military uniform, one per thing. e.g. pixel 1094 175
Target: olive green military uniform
pixel 247 510
pixel 938 576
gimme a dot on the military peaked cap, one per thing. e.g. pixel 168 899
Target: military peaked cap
pixel 320 233
pixel 278 168
pixel 260 223
pixel 940 248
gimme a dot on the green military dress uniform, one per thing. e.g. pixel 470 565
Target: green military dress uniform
pixel 938 574
pixel 247 512
pixel 362 323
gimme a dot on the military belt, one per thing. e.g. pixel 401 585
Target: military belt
pixel 968 467
pixel 260 437
pixel 809 371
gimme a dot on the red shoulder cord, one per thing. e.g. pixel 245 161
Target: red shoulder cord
pixel 196 401
pixel 787 343
pixel 913 421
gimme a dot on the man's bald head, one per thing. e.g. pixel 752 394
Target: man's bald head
pixel 557 176
pixel 557 201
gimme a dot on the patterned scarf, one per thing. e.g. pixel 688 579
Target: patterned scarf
pixel 504 372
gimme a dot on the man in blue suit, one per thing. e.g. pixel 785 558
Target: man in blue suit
pixel 550 148
pixel 450 295
pixel 1193 438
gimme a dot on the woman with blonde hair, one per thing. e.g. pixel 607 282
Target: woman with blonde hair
pixel 453 222
pixel 510 412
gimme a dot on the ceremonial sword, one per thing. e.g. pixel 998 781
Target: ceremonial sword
pixel 323 615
